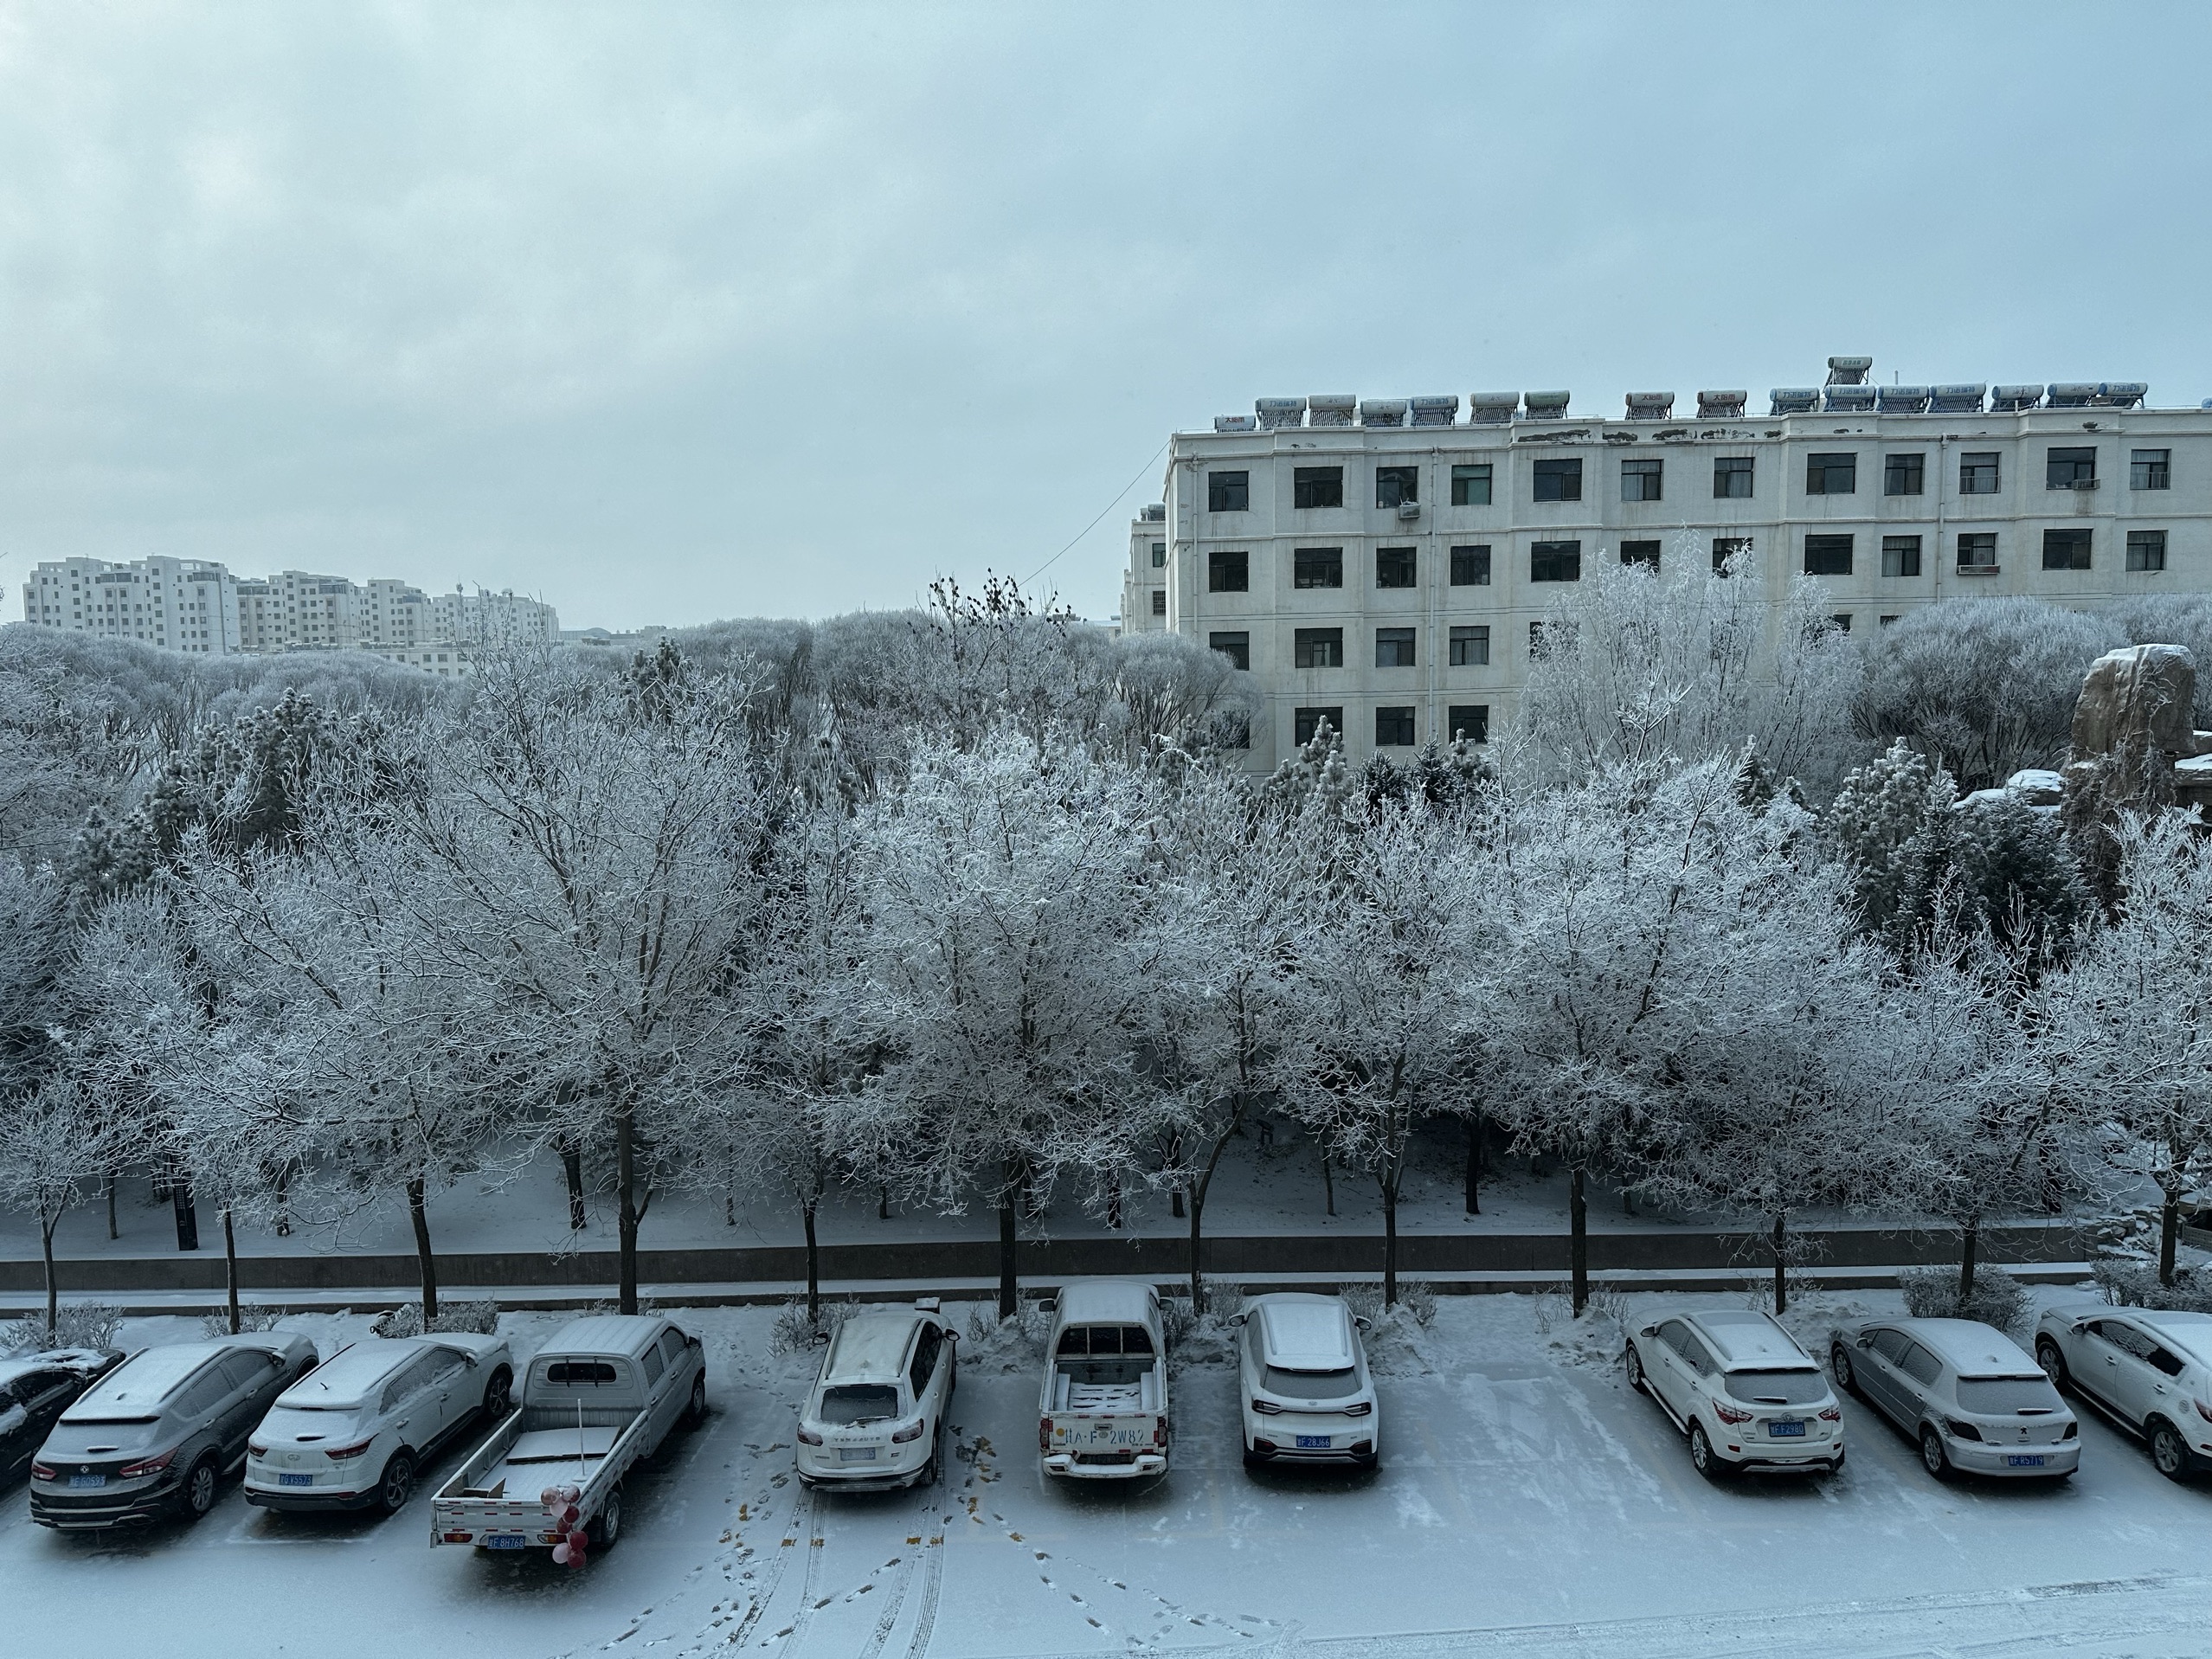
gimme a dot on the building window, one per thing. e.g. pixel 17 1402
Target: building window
pixel 1470 721
pixel 1470 485
pixel 2150 469
pixel 1394 648
pixel 1317 567
pixel 1228 573
pixel 1555 562
pixel 1394 727
pixel 1317 648
pixel 1978 473
pixel 1317 486
pixel 1643 553
pixel 1831 474
pixel 1901 556
pixel 1237 646
pixel 1470 647
pixel 1159 555
pixel 1885 620
pixel 1540 641
pixel 1977 550
pixel 1394 567
pixel 1726 548
pixel 1842 620
pixel 1305 722
pixel 1160 601
pixel 2069 469
pixel 1228 492
pixel 1235 728
pixel 1558 480
pixel 1395 485
pixel 1732 478
pixel 1470 566
pixel 2146 550
pixel 1902 474
pixel 1828 555
pixel 1640 480
pixel 2066 550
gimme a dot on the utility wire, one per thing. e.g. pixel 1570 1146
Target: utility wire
pixel 1102 512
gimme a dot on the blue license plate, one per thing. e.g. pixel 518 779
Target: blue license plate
pixel 295 1480
pixel 504 1541
pixel 856 1454
pixel 2023 1462
pixel 1313 1443
pixel 1785 1431
pixel 83 1481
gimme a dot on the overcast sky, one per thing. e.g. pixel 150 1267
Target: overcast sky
pixel 665 313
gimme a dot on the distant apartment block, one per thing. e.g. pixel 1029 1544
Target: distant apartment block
pixel 200 608
pixel 1386 566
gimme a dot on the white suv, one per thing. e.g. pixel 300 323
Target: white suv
pixel 2150 1370
pixel 874 1417
pixel 1741 1389
pixel 1302 1374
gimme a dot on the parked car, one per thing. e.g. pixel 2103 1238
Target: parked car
pixel 603 1394
pixel 1966 1392
pixel 1102 1410
pixel 354 1431
pixel 36 1389
pixel 2148 1370
pixel 1742 1391
pixel 1307 1395
pixel 154 1436
pixel 875 1415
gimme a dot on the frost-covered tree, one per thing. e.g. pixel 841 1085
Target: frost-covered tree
pixel 51 1142
pixel 1008 887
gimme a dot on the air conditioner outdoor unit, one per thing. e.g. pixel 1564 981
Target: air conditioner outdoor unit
pixel 1409 509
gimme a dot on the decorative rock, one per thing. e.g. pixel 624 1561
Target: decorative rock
pixel 2138 698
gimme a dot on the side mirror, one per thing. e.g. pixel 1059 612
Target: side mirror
pixel 1867 1341
pixel 1363 1322
pixel 821 1338
pixel 471 1360
pixel 1648 1330
pixel 1238 1319
pixel 951 1335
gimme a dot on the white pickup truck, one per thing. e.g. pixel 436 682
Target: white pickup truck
pixel 1103 1414
pixel 603 1394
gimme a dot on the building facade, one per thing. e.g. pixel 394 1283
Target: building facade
pixel 1385 565
pixel 1144 582
pixel 200 608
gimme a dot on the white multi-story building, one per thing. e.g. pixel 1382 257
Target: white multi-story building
pixel 1144 583
pixel 194 606
pixel 1384 565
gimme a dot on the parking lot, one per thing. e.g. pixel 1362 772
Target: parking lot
pixel 1527 1500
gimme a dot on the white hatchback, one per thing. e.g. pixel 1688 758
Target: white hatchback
pixel 1303 1378
pixel 1742 1391
pixel 354 1432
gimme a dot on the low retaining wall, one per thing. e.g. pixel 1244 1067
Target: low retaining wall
pixel 1323 1256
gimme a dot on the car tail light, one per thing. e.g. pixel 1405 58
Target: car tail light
pixel 257 1448
pixel 911 1432
pixel 1267 1408
pixel 1160 1431
pixel 1730 1413
pixel 458 1538
pixel 1962 1431
pixel 342 1452
pixel 1359 1408
pixel 149 1466
pixel 2073 1429
pixel 809 1437
pixel 40 1472
pixel 1044 1434
pixel 1831 1414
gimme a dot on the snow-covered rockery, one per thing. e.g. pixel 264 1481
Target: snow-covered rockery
pixel 1040 941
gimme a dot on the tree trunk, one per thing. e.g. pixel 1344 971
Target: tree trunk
pixel 230 1269
pixel 1175 1202
pixel 882 1202
pixel 53 1291
pixel 1578 1241
pixel 814 1268
pixel 111 1234
pixel 284 1200
pixel 1114 1203
pixel 625 1199
pixel 1968 1247
pixel 1197 1215
pixel 572 1167
pixel 1390 1240
pixel 2169 1235
pixel 1475 1164
pixel 1781 1271
pixel 1008 1291
pixel 419 1213
pixel 1328 1184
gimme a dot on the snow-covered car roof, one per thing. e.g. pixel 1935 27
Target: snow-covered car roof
pixel 83 1361
pixel 1108 1302
pixel 352 1376
pixel 871 1347
pixel 1300 1331
pixel 2189 1332
pixel 625 1334
pixel 1745 1337
pixel 138 1386
pixel 1968 1346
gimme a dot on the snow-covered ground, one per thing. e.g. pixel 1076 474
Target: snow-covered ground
pixel 1528 1501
